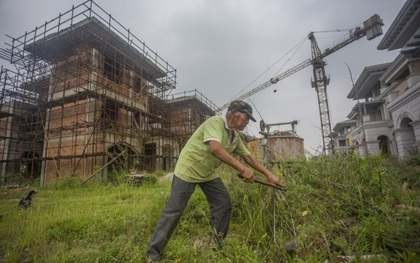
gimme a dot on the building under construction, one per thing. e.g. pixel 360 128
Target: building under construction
pixel 83 96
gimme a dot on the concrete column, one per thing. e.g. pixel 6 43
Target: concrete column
pixel 45 148
pixel 394 147
pixel 416 128
pixel 7 141
pixel 372 146
pixel 405 141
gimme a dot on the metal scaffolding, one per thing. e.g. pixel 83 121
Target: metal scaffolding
pixel 81 91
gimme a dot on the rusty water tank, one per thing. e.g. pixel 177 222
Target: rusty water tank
pixel 278 146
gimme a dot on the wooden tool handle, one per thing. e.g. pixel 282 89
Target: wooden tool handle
pixel 264 183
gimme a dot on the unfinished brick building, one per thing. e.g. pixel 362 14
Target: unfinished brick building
pixel 85 97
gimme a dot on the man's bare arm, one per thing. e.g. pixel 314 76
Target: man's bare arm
pixel 217 150
pixel 254 163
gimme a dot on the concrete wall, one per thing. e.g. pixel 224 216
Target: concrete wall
pixel 275 148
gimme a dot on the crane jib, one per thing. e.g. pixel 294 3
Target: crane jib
pixel 372 28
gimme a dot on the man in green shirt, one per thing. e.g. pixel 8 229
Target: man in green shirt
pixel 212 143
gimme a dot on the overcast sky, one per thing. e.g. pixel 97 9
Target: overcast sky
pixel 225 47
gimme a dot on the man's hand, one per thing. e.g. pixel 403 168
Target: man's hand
pixel 274 180
pixel 271 178
pixel 248 175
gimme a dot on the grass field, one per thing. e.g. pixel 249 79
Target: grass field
pixel 335 208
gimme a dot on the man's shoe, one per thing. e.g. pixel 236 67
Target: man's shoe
pixel 149 260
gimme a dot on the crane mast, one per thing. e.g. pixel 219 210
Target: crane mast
pixel 320 82
pixel 371 29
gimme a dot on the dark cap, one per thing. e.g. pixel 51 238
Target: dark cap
pixel 242 107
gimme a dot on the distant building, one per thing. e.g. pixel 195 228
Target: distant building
pixel 343 140
pixel 86 98
pixel 373 132
pixel 388 115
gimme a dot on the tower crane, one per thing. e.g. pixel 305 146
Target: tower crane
pixel 371 29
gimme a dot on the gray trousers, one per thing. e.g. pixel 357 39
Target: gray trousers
pixel 220 208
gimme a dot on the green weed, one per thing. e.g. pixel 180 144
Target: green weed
pixel 334 206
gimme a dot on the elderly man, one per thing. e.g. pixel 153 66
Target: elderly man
pixel 210 145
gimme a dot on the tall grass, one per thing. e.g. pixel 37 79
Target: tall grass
pixel 334 206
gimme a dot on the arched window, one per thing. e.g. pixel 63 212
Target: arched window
pixel 405 123
pixel 407 138
pixel 383 144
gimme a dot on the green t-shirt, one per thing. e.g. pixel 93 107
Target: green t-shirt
pixel 195 163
